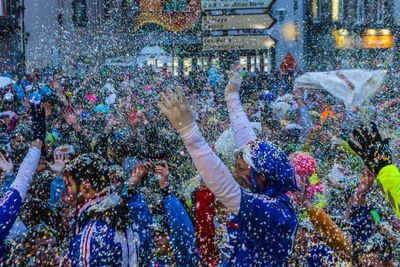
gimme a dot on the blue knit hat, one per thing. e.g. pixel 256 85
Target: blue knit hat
pixel 270 161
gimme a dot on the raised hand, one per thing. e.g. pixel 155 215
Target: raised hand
pixel 175 107
pixel 70 115
pixel 38 117
pixel 235 78
pixel 6 166
pixel 303 183
pixel 138 174
pixel 374 151
pixel 59 161
pixel 163 171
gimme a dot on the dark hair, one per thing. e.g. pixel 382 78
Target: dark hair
pixel 90 168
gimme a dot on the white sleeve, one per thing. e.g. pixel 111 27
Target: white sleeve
pixel 242 131
pixel 212 170
pixel 26 171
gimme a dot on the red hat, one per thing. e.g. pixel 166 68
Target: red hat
pixel 288 64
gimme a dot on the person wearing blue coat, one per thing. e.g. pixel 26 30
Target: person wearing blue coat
pixel 104 233
pixel 267 220
pixel 13 198
pixel 170 226
pixel 139 212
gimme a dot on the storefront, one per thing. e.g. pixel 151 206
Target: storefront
pixel 262 61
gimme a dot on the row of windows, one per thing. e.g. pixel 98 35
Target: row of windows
pixel 338 8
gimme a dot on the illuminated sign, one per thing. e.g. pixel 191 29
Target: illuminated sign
pixel 238 22
pixel 226 43
pixel 232 4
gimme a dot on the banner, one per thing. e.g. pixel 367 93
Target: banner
pixel 226 43
pixel 154 12
pixel 232 4
pixel 238 22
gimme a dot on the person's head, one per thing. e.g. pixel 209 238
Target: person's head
pixel 303 164
pixel 85 176
pixel 266 168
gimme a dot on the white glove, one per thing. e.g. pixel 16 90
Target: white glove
pixel 6 166
pixel 235 79
pixel 176 109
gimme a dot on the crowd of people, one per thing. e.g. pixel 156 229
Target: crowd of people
pixel 144 168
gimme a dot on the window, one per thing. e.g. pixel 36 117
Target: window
pixel 80 12
pixel 337 10
pixel 380 16
pixel 295 7
pixel 341 10
pixel 316 9
pixel 360 11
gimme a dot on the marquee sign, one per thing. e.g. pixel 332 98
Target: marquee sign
pixel 234 4
pixel 238 22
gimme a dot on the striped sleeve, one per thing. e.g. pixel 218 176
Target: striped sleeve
pixel 10 206
pixel 85 243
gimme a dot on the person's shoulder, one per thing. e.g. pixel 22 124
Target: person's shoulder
pixel 11 194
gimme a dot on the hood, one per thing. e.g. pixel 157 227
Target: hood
pixel 267 159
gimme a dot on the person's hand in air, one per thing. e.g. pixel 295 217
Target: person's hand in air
pixel 138 174
pixel 6 165
pixel 38 118
pixel 59 161
pixel 374 151
pixel 175 107
pixel 235 79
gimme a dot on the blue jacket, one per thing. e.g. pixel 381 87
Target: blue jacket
pixel 10 206
pixel 140 213
pixel 97 243
pixel 182 234
pixel 267 230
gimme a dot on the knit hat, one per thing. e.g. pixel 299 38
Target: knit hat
pixel 304 164
pixel 269 160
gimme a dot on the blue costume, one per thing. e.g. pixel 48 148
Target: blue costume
pixel 10 206
pixel 97 243
pixel 11 202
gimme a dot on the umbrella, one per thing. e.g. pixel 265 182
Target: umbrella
pixel 5 81
pixel 101 109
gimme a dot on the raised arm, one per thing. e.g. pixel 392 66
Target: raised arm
pixel 215 174
pixel 241 127
pixel 11 203
pixel 375 153
pixel 327 230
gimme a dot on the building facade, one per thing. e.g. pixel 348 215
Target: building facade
pixel 288 31
pixel 351 34
pixel 11 36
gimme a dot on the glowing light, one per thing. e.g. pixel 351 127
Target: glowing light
pixel 290 31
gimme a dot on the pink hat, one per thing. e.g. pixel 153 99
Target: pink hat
pixel 91 97
pixel 304 164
